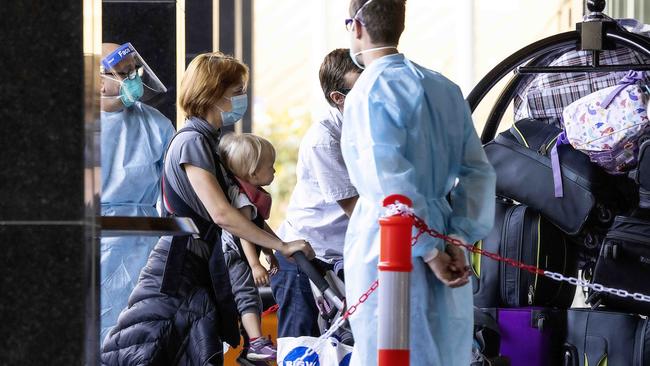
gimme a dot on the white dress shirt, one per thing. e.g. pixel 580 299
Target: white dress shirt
pixel 322 180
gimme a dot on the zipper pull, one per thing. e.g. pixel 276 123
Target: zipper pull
pixel 542 150
pixel 530 294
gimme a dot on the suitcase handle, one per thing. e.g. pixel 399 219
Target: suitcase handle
pixel 538 320
pixel 595 299
pixel 570 355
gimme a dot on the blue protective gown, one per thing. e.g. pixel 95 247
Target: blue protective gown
pixel 408 130
pixel 133 142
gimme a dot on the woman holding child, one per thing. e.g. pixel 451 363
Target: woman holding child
pixel 183 306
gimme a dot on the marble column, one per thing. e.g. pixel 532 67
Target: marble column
pixel 49 110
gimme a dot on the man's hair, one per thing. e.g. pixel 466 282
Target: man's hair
pixel 383 19
pixel 243 153
pixel 332 72
pixel 206 80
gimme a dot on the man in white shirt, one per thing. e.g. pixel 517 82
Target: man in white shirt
pixel 321 202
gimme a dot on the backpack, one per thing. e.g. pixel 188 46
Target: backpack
pixel 607 124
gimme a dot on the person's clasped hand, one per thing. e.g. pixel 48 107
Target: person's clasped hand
pixel 450 267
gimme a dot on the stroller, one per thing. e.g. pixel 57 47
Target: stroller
pixel 329 295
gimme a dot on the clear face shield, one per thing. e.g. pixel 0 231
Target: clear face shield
pixel 136 80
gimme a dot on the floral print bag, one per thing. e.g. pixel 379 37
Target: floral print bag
pixel 607 124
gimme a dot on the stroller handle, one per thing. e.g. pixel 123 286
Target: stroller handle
pixel 310 270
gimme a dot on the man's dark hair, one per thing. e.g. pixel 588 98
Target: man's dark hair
pixel 383 19
pixel 332 72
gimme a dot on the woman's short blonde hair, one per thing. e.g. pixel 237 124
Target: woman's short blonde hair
pixel 206 80
pixel 243 153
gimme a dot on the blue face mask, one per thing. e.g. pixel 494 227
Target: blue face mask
pixel 131 90
pixel 239 106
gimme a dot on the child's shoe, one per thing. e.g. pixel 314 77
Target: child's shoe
pixel 262 349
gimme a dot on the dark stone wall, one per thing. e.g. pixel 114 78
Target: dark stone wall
pixel 48 296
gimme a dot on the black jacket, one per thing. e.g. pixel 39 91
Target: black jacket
pixel 182 307
pixel 160 329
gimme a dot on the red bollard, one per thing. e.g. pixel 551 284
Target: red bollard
pixel 395 266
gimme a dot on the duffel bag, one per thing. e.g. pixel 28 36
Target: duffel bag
pixel 521 159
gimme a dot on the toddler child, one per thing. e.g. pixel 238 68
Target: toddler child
pixel 250 158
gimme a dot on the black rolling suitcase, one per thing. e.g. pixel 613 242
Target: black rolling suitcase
pixel 523 234
pixel 624 263
pixel 599 338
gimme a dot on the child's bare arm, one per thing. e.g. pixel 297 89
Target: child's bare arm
pixel 250 252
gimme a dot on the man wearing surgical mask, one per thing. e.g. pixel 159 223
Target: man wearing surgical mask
pixel 409 131
pixel 133 140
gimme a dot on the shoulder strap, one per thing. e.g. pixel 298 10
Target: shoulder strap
pixel 220 168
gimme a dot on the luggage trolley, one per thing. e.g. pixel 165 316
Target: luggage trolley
pixel 595 34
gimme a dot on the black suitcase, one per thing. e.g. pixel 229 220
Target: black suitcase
pixel 624 263
pixel 521 159
pixel 522 234
pixel 599 338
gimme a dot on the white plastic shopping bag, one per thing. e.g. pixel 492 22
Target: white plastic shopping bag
pixel 292 351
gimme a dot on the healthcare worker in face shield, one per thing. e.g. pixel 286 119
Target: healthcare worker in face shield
pixel 133 140
pixel 409 131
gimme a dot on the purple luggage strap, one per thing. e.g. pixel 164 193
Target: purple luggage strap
pixel 555 164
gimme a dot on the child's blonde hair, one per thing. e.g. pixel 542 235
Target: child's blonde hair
pixel 242 153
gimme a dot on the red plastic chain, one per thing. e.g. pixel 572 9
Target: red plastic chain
pixel 424 228
pixel 362 299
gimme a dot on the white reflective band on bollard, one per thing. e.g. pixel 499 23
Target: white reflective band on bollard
pixel 394 295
